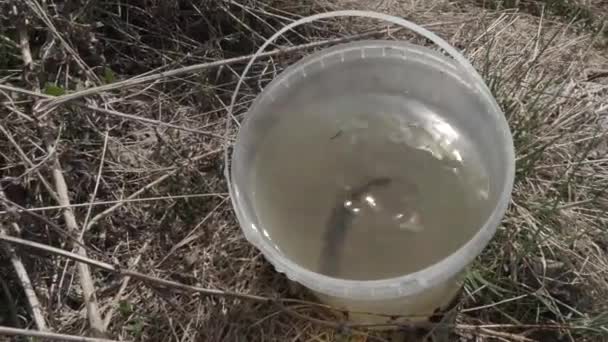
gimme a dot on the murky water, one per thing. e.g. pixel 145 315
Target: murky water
pixel 361 194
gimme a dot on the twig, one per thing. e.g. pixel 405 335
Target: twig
pixel 28 289
pixel 11 206
pixel 187 288
pixel 190 235
pixel 10 105
pixel 157 281
pixel 338 325
pixel 184 70
pixel 597 74
pixel 197 67
pixel 144 199
pixel 521 326
pixel 49 335
pixel 94 195
pixel 575 204
pixel 46 128
pixel 494 304
pixel 252 12
pixel 36 93
pixel 106 212
pixel 86 280
pixel 44 17
pixel 23 276
pixel 277 301
pixel 90 208
pixel 137 275
pixel 510 336
pixel 151 121
pixel 125 281
pixel 24 44
pixel 15 259
pixel 27 160
pixel 240 22
pixel 111 112
pixel 45 159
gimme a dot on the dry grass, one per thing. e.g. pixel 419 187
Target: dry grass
pixel 543 278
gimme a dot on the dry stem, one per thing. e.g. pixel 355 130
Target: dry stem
pixel 28 289
pixel 123 201
pixel 38 94
pixel 140 276
pixel 123 286
pixel 508 336
pixel 27 160
pixel 279 302
pixel 61 188
pixel 198 67
pixel 86 280
pixel 160 179
pixel 8 331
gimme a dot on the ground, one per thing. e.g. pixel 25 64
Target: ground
pixel 116 111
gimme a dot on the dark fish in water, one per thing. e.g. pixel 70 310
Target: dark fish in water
pixel 339 221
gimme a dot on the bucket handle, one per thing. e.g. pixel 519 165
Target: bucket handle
pixel 445 46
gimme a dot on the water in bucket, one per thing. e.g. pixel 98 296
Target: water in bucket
pixel 375 187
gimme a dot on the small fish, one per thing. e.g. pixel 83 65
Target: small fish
pixel 339 221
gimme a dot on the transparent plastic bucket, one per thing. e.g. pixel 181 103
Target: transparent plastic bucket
pixel 396 67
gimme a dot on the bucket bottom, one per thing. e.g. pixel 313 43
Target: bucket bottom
pixel 427 316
